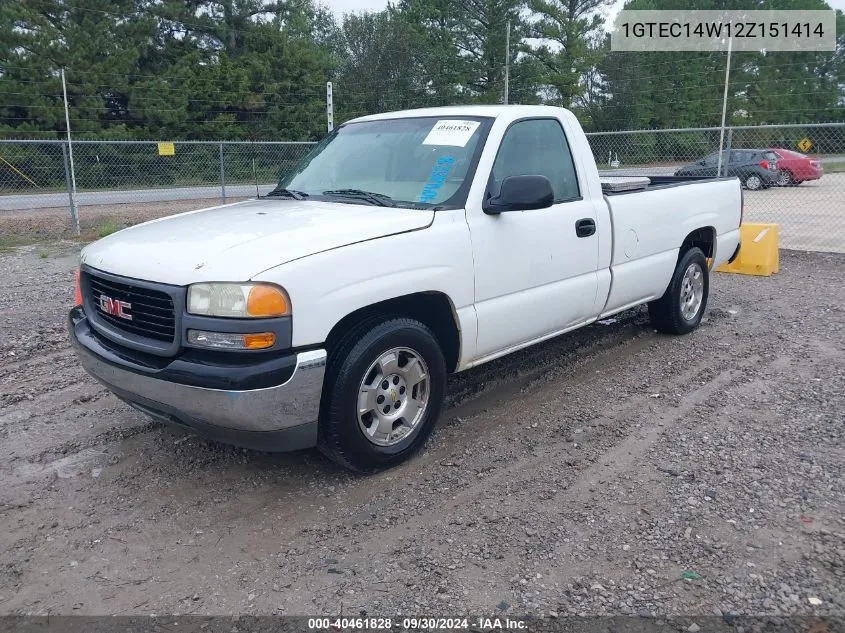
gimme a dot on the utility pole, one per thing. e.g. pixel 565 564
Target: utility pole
pixel 507 59
pixel 724 108
pixel 329 106
pixel 73 214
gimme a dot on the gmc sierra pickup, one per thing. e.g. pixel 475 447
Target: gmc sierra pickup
pixel 405 246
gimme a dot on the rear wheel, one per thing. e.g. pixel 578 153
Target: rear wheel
pixel 785 178
pixel 384 388
pixel 681 307
pixel 753 182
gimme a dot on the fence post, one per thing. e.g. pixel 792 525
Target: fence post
pixel 74 216
pixel 728 147
pixel 329 106
pixel 222 175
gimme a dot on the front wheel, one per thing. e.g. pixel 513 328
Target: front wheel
pixel 384 390
pixel 681 307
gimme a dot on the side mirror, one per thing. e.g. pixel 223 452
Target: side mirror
pixel 521 193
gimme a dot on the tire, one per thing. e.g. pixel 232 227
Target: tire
pixel 753 182
pixel 674 313
pixel 369 442
pixel 784 178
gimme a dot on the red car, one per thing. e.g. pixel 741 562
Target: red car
pixel 794 168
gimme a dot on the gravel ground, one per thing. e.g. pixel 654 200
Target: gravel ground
pixel 611 471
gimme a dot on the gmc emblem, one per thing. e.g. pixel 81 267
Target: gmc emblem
pixel 116 307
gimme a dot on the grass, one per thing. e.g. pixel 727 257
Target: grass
pixel 104 228
pixel 9 242
pixel 107 227
pixel 44 247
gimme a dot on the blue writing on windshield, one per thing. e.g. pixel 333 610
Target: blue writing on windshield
pixel 438 176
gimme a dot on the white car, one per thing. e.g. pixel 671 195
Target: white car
pixel 405 246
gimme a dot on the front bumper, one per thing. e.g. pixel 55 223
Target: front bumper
pixel 276 417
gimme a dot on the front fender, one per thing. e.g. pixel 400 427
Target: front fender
pixel 327 286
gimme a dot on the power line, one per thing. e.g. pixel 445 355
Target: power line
pixel 319 86
pixel 278 106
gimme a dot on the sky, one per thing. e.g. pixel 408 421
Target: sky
pixel 339 7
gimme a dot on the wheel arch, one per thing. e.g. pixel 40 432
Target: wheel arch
pixel 703 238
pixel 432 308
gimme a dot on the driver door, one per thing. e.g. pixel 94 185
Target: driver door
pixel 534 275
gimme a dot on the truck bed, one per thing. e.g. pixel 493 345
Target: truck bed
pixel 649 227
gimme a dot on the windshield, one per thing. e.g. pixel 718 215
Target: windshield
pixel 411 162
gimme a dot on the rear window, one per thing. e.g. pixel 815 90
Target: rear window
pixel 770 156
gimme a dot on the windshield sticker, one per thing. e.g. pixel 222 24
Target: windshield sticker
pixel 451 132
pixel 438 176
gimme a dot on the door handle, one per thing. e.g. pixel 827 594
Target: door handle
pixel 585 227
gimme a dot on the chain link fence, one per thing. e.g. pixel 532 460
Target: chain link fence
pixel 37 174
pixel 793 175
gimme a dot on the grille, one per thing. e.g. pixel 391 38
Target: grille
pixel 152 311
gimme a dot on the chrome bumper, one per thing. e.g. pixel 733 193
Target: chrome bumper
pixel 295 402
pixel 276 418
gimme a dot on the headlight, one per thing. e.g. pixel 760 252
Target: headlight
pixel 238 300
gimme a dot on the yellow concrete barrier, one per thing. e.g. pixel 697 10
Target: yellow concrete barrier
pixel 758 254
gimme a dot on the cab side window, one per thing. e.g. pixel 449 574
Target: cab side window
pixel 537 147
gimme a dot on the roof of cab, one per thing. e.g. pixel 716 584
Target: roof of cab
pixel 472 110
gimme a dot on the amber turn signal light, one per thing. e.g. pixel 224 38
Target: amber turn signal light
pixel 259 341
pixel 231 340
pixel 267 301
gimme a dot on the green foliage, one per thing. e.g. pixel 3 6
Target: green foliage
pixel 571 34
pixel 162 69
pixel 257 69
pixel 106 228
pixel 670 90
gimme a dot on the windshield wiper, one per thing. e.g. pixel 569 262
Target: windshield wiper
pixel 288 193
pixel 378 199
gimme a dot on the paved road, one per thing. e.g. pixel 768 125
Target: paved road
pixel 53 200
pixel 809 215
pixel 17 202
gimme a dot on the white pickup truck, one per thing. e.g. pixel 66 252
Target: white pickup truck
pixel 405 246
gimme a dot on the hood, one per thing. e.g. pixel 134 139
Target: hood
pixel 237 241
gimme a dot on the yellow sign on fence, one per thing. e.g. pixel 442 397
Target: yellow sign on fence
pixel 805 144
pixel 166 149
